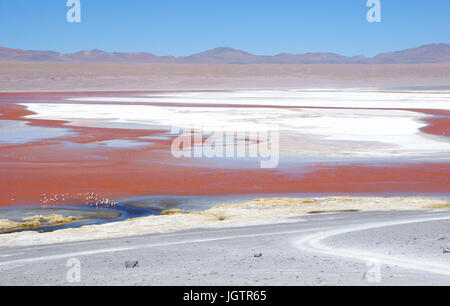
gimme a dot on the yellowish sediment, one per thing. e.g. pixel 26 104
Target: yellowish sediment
pixel 169 212
pixel 440 206
pixel 36 222
pixel 257 211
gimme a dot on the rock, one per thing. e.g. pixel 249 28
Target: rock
pixel 132 264
pixel 258 255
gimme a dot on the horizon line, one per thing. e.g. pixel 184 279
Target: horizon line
pixel 220 47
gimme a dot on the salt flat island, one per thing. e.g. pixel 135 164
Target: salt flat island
pixel 318 122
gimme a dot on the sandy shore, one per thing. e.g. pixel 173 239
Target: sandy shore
pixel 257 211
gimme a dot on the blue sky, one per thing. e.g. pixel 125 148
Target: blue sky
pixel 184 27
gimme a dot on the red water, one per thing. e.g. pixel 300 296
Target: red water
pixel 63 166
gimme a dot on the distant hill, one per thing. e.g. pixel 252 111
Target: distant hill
pixel 434 53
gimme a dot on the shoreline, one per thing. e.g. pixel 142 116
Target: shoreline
pixel 418 88
pixel 254 212
pixel 16 219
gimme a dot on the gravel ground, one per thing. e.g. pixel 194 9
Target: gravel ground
pixel 405 248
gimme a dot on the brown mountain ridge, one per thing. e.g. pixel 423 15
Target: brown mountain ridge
pixel 432 53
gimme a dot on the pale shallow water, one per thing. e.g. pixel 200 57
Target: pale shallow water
pixel 91 215
pixel 17 132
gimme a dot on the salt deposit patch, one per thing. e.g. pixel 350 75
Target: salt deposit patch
pixel 354 98
pixel 396 132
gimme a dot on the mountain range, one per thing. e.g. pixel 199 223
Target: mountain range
pixel 432 53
